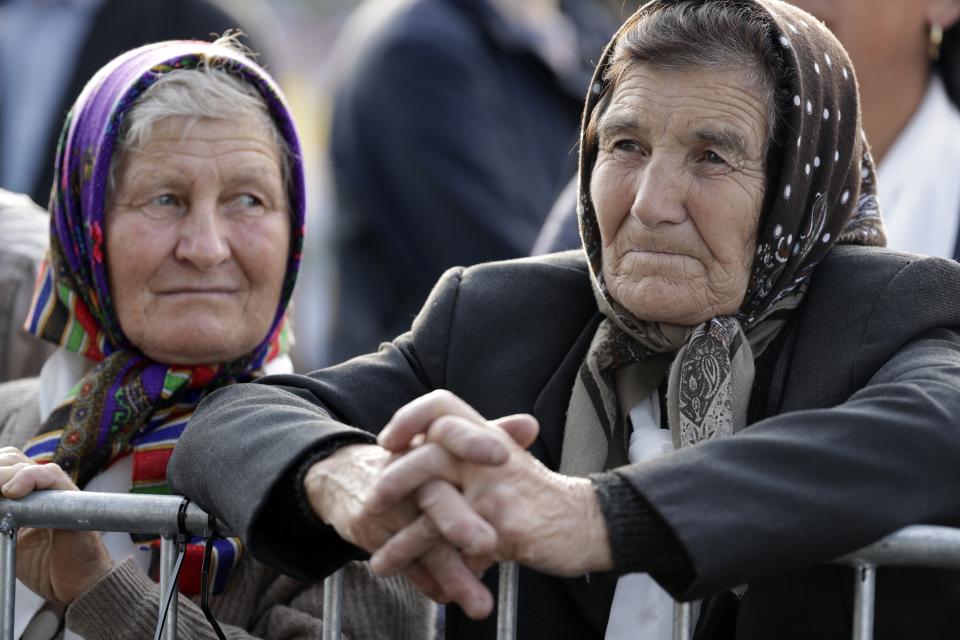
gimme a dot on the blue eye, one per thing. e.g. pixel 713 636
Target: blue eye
pixel 713 158
pixel 165 200
pixel 247 200
pixel 628 145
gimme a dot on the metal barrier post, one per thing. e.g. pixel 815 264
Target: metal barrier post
pixel 864 592
pixel 8 577
pixel 168 559
pixel 332 597
pixel 507 601
pixel 682 620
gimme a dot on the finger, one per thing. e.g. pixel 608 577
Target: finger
pixel 457 580
pixel 403 549
pixel 421 579
pixel 523 428
pixel 455 518
pixel 479 564
pixel 446 514
pixel 10 470
pixel 11 456
pixel 417 416
pixel 36 477
pixel 408 473
pixel 467 440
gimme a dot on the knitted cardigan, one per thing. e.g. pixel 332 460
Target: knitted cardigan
pixel 258 602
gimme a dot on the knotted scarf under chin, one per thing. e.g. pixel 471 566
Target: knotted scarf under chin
pixel 821 192
pixel 708 390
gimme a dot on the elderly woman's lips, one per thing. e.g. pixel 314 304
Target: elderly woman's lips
pixel 661 255
pixel 197 292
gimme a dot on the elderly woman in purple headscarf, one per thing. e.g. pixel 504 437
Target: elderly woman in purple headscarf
pixel 734 382
pixel 176 231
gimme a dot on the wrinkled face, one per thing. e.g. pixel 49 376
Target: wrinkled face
pixel 677 187
pixel 197 237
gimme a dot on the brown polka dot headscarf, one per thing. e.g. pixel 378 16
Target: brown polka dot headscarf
pixel 821 190
pixel 825 191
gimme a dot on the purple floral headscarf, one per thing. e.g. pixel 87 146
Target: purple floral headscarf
pixel 129 402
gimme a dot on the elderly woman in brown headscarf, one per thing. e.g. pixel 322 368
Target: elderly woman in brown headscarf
pixel 733 383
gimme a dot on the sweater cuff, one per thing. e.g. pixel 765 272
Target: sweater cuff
pixel 640 539
pixel 118 605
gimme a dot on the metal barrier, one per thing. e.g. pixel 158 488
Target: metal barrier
pixel 916 546
pixel 89 511
pixel 920 546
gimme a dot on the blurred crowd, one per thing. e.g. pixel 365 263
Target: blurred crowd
pixel 436 133
pixel 417 118
pixel 432 134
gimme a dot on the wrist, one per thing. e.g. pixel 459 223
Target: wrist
pixel 595 540
pixel 336 485
pixel 565 531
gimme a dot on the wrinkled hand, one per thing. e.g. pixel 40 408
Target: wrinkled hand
pixel 338 489
pixel 545 520
pixel 57 564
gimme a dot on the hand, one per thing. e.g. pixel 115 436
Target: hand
pixel 338 488
pixel 57 564
pixel 547 521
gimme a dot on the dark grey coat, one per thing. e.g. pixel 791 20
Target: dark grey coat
pixel 861 440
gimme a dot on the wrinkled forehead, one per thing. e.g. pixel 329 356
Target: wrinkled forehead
pixel 693 105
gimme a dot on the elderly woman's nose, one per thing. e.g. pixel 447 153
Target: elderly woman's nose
pixel 203 239
pixel 659 194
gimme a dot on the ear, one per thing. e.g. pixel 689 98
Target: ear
pixel 944 13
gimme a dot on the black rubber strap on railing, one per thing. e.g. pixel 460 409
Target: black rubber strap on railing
pixel 182 517
pixel 205 576
pixel 171 593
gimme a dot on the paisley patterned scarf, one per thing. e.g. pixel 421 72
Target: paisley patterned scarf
pixel 822 193
pixel 128 403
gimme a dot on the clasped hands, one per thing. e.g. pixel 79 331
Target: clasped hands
pixel 445 493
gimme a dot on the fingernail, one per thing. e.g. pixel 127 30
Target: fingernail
pixel 376 564
pixel 498 453
pixel 482 542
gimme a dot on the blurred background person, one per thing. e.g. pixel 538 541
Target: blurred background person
pixel 24 229
pixel 48 50
pixel 453 130
pixel 907 61
pixel 907 58
pixel 175 242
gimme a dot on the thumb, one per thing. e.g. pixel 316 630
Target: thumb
pixel 523 428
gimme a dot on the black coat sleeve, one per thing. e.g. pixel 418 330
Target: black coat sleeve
pixel 806 486
pixel 246 445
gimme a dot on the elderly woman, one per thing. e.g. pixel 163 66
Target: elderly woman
pixel 752 386
pixel 177 223
pixel 907 58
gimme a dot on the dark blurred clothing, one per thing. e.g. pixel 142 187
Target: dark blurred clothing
pixel 112 27
pixel 453 133
pixel 24 234
pixel 560 230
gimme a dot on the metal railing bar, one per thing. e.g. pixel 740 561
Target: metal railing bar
pixel 507 600
pixel 864 591
pixel 332 598
pixel 168 560
pixel 91 511
pixel 915 546
pixel 682 620
pixel 8 578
